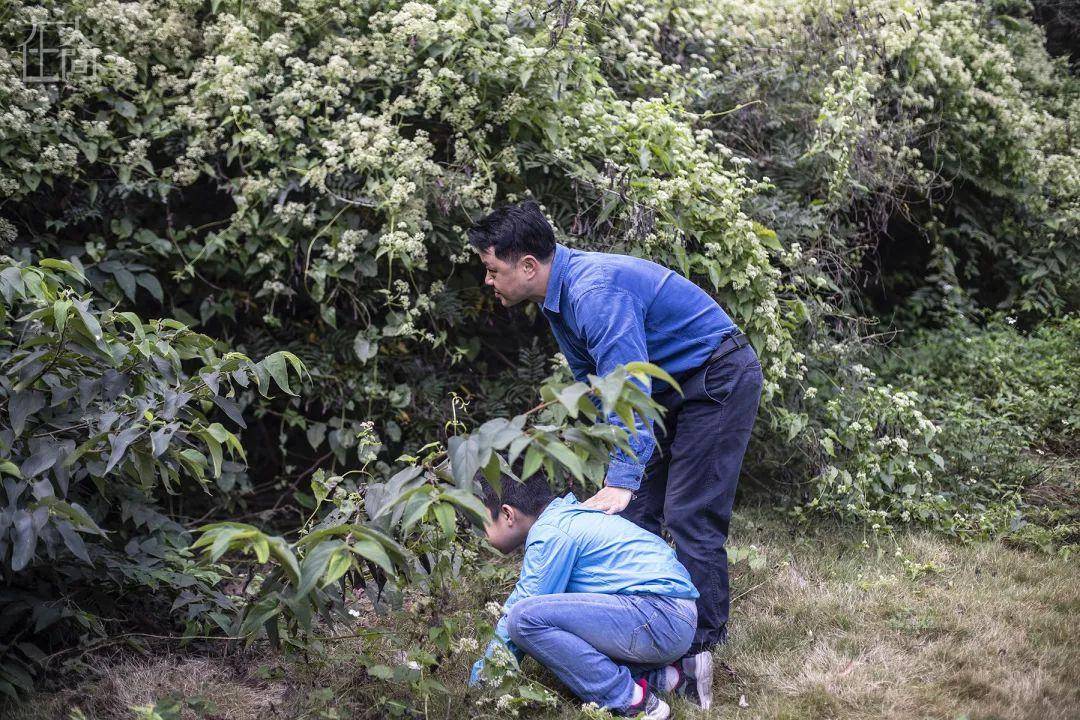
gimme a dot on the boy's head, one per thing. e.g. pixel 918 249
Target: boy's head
pixel 513 511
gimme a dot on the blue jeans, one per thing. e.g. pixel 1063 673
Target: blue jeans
pixel 595 643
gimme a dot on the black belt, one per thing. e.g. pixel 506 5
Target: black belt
pixel 730 345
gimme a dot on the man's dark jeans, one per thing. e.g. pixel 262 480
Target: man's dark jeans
pixel 690 480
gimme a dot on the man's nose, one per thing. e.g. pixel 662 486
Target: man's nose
pixel 488 280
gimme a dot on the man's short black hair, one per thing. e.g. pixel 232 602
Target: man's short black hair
pixel 514 231
pixel 530 496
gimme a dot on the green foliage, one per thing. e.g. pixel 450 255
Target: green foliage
pixel 102 423
pixel 1003 398
pixel 947 431
pixel 350 542
pixel 992 380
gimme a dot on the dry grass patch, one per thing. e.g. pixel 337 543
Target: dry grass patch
pixel 943 630
pixel 212 686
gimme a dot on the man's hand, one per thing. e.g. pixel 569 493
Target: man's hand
pixel 610 499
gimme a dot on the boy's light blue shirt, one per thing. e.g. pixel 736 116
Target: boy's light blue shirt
pixel 607 310
pixel 574 549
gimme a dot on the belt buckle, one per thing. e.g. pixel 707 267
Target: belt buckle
pixel 734 338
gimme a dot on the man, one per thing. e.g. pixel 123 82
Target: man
pixel 607 310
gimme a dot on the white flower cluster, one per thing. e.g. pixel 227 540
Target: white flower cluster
pixel 290 212
pixel 343 250
pixel 465 645
pixel 8 232
pixel 402 244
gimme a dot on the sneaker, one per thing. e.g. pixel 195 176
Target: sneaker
pixel 697 676
pixel 668 679
pixel 650 707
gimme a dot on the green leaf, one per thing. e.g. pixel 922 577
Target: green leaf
pixel 22 405
pixel 314 566
pixel 316 434
pixel 60 314
pixel 120 442
pixel 261 546
pixel 73 541
pixel 88 320
pixel 533 457
pixel 364 348
pixel 339 564
pixel 275 365
pixel 151 284
pixel 493 472
pixel 41 461
pixel 475 509
pixel 126 280
pixel 444 513
pixel 464 453
pixel 63 266
pixel 375 552
pixel 415 509
pixel 25 540
pixel 73 512
pixel 215 452
pixel 569 396
pixel 381 672
pixel 642 369
pixel 565 456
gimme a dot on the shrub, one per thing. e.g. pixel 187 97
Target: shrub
pixel 108 429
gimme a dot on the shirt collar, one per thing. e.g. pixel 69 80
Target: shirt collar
pixel 558 502
pixel 554 505
pixel 555 278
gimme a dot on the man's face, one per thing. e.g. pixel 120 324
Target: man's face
pixel 507 531
pixel 511 280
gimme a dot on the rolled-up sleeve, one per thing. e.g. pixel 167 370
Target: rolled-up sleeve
pixel 613 323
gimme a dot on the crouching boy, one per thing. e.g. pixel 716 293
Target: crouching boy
pixel 600 601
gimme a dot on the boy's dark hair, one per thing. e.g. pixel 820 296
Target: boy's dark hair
pixel 514 231
pixel 530 496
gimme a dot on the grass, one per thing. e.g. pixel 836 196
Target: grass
pixel 829 627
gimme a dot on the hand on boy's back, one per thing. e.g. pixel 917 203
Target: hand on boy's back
pixel 610 499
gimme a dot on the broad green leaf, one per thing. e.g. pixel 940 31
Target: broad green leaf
pixel 63 266
pixel 415 510
pixel 25 540
pixel 641 370
pixel 475 509
pixel 464 453
pixel 73 541
pixel 533 457
pixel 275 364
pixel 314 566
pixel 119 443
pixel 375 552
pixel 444 513
pixel 569 396
pixel 339 564
pixel 566 456
pixel 60 314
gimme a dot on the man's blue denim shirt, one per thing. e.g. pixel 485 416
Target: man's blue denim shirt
pixel 607 310
pixel 574 549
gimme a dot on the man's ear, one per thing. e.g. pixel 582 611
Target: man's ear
pixel 530 265
pixel 509 514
